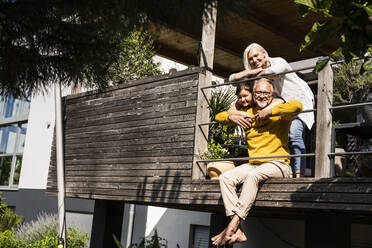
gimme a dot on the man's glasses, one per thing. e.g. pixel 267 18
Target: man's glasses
pixel 260 93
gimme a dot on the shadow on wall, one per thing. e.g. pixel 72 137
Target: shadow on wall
pixel 163 189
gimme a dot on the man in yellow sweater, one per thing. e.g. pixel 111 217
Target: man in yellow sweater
pixel 267 136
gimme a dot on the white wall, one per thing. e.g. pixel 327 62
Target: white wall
pixel 39 136
pixel 174 224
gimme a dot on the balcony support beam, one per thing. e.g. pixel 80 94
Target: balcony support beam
pixel 324 123
pixel 206 61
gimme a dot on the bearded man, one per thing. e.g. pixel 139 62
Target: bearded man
pixel 267 136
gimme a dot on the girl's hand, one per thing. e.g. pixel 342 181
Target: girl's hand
pixel 240 120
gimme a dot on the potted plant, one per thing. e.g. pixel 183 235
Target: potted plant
pixel 221 137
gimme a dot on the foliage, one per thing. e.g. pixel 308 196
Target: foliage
pixel 349 83
pixel 215 151
pixel 135 58
pixel 44 225
pixel 76 239
pixel 8 240
pixel 3 206
pixel 153 242
pixel 43 233
pixel 348 21
pixel 221 137
pixel 221 100
pixel 43 41
pixel 8 219
pixel 117 242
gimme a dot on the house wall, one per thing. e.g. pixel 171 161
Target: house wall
pixel 30 200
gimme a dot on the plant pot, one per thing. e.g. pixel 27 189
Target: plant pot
pixel 215 169
pixel 340 163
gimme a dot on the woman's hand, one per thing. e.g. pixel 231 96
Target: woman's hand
pixel 248 73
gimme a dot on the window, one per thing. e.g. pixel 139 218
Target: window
pixel 199 236
pixel 13 127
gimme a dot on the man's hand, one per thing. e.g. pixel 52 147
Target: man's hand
pixel 262 114
pixel 245 121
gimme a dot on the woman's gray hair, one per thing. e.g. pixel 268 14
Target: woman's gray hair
pixel 247 66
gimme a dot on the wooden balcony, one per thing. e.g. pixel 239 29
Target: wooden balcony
pixel 139 142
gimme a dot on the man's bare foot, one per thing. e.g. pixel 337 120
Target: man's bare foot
pixel 222 238
pixel 238 237
pixel 216 239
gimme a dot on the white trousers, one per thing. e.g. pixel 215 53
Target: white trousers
pixel 250 176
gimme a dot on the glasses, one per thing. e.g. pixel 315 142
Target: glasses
pixel 260 93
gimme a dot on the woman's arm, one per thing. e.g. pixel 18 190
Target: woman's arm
pixel 278 65
pixel 245 74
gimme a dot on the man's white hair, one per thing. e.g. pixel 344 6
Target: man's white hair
pixel 247 66
pixel 266 80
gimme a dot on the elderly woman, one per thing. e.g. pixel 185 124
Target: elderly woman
pixel 287 86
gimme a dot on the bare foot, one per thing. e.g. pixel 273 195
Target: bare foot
pixel 238 237
pixel 216 239
pixel 224 237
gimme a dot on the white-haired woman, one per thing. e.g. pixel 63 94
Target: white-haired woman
pixel 287 86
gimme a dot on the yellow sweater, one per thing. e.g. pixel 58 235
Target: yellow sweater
pixel 269 137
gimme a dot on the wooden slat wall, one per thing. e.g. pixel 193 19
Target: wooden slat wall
pixel 133 142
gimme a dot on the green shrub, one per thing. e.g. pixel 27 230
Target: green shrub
pixel 43 233
pixel 153 242
pixel 8 219
pixel 349 84
pixel 8 240
pixel 46 242
pixel 45 225
pixel 75 239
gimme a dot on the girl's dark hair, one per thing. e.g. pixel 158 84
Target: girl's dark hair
pixel 243 86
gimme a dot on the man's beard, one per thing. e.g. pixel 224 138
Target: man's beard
pixel 262 103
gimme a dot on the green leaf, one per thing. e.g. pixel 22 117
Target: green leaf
pixel 321 64
pixel 319 32
pixel 117 242
pixel 336 53
pixel 368 9
pixel 302 10
pixel 367 66
pixel 308 3
pixel 359 5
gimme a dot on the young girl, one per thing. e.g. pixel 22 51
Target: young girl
pixel 245 101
